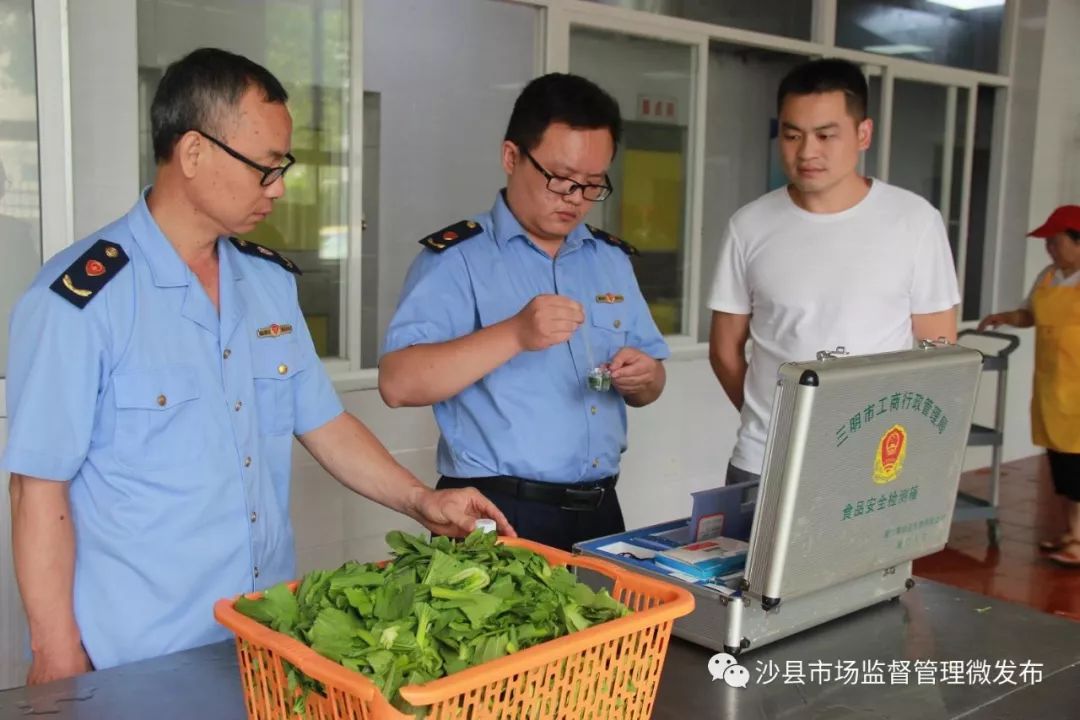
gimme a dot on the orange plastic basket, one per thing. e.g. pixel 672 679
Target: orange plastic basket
pixel 610 670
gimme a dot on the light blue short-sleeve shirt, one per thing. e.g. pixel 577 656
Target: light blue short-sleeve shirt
pixel 173 422
pixel 534 417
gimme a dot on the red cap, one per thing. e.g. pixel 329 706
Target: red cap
pixel 1066 217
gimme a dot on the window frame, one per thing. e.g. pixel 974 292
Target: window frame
pixel 559 19
pixel 53 85
pixel 822 44
pixel 52 44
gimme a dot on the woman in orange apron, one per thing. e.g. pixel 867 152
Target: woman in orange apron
pixel 1053 307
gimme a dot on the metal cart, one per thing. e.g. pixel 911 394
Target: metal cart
pixel 975 507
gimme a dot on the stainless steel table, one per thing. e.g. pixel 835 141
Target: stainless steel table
pixel 933 623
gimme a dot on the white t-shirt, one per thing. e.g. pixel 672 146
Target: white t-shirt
pixel 814 281
pixel 1058 279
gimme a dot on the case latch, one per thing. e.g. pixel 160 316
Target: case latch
pixel 840 351
pixel 928 344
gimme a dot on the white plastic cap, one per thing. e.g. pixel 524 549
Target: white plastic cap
pixel 486 525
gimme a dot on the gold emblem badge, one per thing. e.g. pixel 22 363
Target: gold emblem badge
pixel 78 291
pixel 273 331
pixel 891 451
pixel 609 298
pixel 112 252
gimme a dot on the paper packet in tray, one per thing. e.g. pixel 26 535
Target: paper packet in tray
pixel 707 558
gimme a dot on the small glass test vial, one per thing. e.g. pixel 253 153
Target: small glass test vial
pixel 599 379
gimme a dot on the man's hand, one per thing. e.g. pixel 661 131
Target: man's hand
pixel 454 512
pixel 43 547
pixel 636 376
pixel 47 666
pixel 632 370
pixel 548 320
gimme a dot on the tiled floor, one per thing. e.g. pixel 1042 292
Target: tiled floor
pixel 1016 571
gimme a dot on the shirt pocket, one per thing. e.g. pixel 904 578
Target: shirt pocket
pixel 275 364
pixel 159 419
pixel 609 323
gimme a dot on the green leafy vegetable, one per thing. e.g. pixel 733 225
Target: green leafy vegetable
pixel 437 608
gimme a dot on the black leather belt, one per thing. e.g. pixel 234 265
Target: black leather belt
pixel 578 496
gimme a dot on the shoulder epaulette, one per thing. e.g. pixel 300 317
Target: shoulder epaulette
pixel 85 277
pixel 612 240
pixel 256 250
pixel 451 235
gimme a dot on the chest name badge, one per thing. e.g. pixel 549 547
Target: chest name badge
pixel 273 331
pixel 609 298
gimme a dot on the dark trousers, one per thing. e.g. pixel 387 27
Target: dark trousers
pixel 1065 472
pixel 548 524
pixel 736 475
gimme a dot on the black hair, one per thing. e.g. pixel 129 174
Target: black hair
pixel 198 89
pixel 561 98
pixel 828 75
pixel 1074 235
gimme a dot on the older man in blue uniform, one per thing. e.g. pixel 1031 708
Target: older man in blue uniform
pixel 503 317
pixel 159 370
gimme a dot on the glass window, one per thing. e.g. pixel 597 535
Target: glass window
pixel 20 201
pixel 982 158
pixel 440 80
pixel 918 138
pixel 956 188
pixel 306 45
pixel 653 82
pixel 918 163
pixel 741 157
pixel 959 33
pixel 872 157
pixel 790 18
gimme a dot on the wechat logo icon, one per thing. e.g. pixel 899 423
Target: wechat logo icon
pixel 723 666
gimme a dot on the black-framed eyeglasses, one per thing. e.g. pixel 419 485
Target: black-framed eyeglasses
pixel 565 186
pixel 270 174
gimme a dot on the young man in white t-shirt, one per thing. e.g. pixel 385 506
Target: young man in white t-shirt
pixel 833 259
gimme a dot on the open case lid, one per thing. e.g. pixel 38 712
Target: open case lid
pixel 862 465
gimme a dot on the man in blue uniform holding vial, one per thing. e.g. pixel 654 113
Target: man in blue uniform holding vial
pixel 526 330
pixel 159 370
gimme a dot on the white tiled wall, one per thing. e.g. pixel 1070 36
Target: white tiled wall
pixel 333 524
pixel 679 444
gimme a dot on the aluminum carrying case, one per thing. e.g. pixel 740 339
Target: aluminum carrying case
pixel 862 464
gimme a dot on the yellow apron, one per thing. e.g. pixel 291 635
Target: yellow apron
pixel 1055 402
